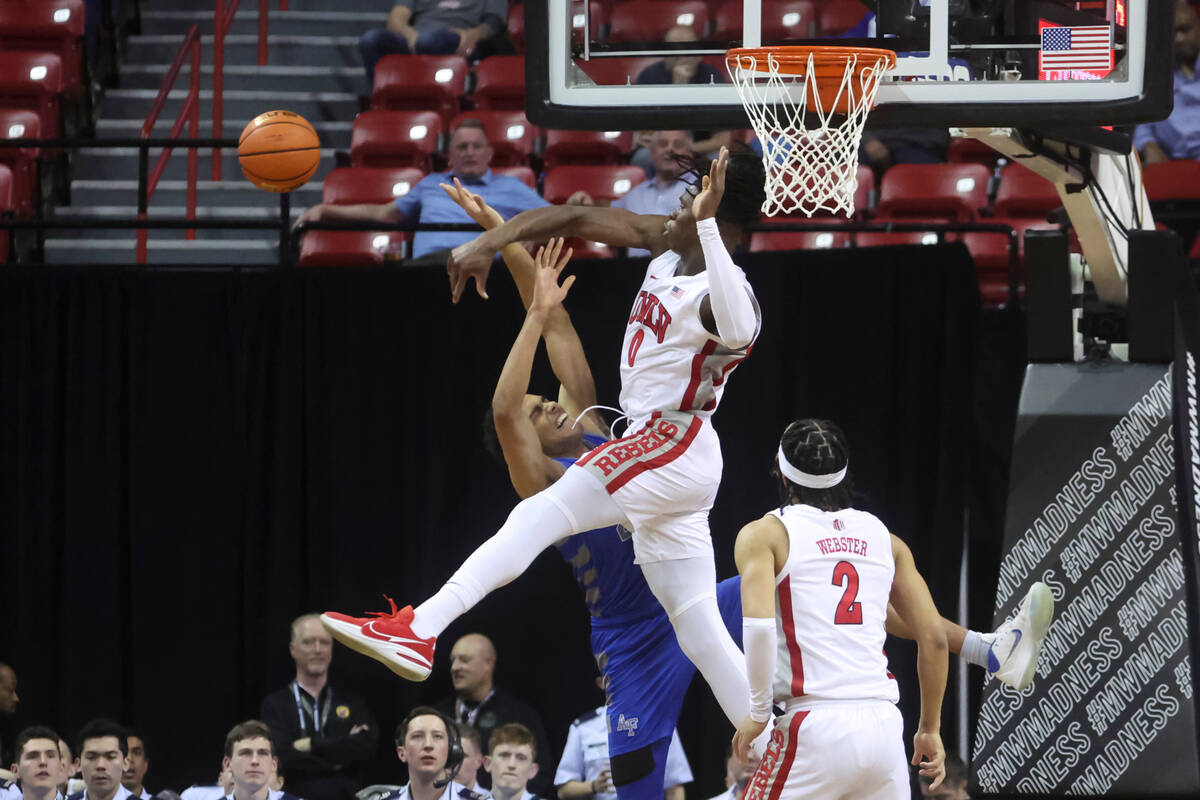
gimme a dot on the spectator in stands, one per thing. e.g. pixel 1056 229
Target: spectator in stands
pixel 103 748
pixel 684 69
pixel 660 194
pixel 423 744
pixel 512 761
pixel 8 707
pixel 1178 136
pixel 436 27
pixel 222 788
pixel 38 763
pixel 478 702
pixel 954 787
pixel 882 148
pixel 250 759
pixel 323 734
pixel 70 784
pixel 737 777
pixel 469 160
pixel 472 745
pixel 136 764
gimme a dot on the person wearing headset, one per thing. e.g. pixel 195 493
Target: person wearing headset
pixel 427 742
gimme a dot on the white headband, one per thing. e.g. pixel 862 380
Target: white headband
pixel 811 481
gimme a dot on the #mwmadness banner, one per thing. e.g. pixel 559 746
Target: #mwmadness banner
pixel 1094 513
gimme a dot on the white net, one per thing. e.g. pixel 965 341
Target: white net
pixel 809 132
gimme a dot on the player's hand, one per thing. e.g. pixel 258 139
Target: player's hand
pixel 470 260
pixel 712 188
pixel 475 206
pixel 744 736
pixel 930 757
pixel 550 260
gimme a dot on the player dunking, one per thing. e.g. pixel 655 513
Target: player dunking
pixel 694 319
pixel 819 650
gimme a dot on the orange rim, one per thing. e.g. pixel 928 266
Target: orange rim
pixel 829 66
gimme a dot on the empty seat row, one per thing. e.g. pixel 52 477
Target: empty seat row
pixel 439 83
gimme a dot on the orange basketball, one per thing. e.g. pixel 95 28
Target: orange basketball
pixel 279 151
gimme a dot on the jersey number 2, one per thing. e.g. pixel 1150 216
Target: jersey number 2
pixel 849 612
pixel 635 342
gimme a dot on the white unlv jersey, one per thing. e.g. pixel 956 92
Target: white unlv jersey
pixel 832 599
pixel 669 362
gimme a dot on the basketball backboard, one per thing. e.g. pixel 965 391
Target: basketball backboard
pixel 1015 63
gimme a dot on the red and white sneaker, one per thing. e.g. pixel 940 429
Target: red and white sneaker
pixel 387 637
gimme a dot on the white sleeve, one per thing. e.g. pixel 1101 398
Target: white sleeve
pixel 678 770
pixel 758 636
pixel 732 308
pixel 570 768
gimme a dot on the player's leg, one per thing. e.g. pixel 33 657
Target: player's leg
pixel 640 774
pixel 404 639
pixel 878 766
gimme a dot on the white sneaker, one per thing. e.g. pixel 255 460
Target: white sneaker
pixel 1016 645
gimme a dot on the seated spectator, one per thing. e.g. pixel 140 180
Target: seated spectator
pixel 685 69
pixel 472 746
pixel 423 743
pixel 38 764
pixel 436 27
pixel 102 750
pixel 512 762
pixel 135 767
pixel 1177 136
pixel 882 148
pixel 660 194
pixel 9 700
pixel 737 777
pixel 954 787
pixel 469 160
pixel 478 702
pixel 70 784
pixel 586 771
pixel 323 734
pixel 250 760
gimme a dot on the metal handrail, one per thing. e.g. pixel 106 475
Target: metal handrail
pixel 148 179
pixel 222 19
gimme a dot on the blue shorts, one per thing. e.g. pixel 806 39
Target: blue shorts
pixel 648 675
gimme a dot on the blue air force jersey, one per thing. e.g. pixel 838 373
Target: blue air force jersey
pixel 602 561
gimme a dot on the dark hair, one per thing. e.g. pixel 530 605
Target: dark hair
pixel 98 729
pixel 818 447
pixel 491 442
pixel 470 122
pixel 420 711
pixel 132 732
pixel 512 733
pixel 250 729
pixel 741 204
pixel 29 734
pixel 467 731
pixel 956 770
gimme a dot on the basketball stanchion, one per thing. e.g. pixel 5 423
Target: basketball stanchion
pixel 808 106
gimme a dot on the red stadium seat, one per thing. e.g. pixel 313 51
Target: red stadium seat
pixel 395 139
pixel 881 239
pixel 604 184
pixel 516 26
pixel 839 16
pixel 32 81
pixel 864 198
pixel 586 147
pixel 1172 180
pixel 48 27
pixel 354 185
pixel 620 71
pixel 798 240
pixel 511 136
pixel 781 19
pixel 21 124
pixel 963 149
pixel 649 22
pixel 523 174
pixel 425 83
pixel 990 251
pixel 500 83
pixel 953 192
pixel 6 204
pixel 351 248
pixel 1024 193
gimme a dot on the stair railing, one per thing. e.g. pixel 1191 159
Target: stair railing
pixel 189 114
pixel 222 20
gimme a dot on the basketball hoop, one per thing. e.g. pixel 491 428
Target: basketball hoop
pixel 808 106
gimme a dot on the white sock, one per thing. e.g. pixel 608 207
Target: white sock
pixel 975 649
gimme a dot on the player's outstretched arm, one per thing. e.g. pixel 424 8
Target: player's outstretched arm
pixel 567 359
pixel 612 226
pixel 912 600
pixel 760 549
pixel 732 310
pixel 529 469
pixel 955 634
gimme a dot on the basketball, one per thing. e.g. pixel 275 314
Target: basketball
pixel 279 151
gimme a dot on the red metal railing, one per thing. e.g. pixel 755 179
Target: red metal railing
pixel 222 20
pixel 190 113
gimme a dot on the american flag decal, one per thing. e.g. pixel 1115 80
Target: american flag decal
pixel 676 292
pixel 1086 47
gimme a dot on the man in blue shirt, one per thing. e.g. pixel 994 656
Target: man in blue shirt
pixel 1177 136
pixel 469 160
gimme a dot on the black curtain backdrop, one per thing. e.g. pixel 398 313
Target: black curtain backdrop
pixel 190 459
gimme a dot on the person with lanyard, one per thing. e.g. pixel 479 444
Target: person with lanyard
pixel 322 734
pixel 427 742
pixel 477 700
pixel 252 765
